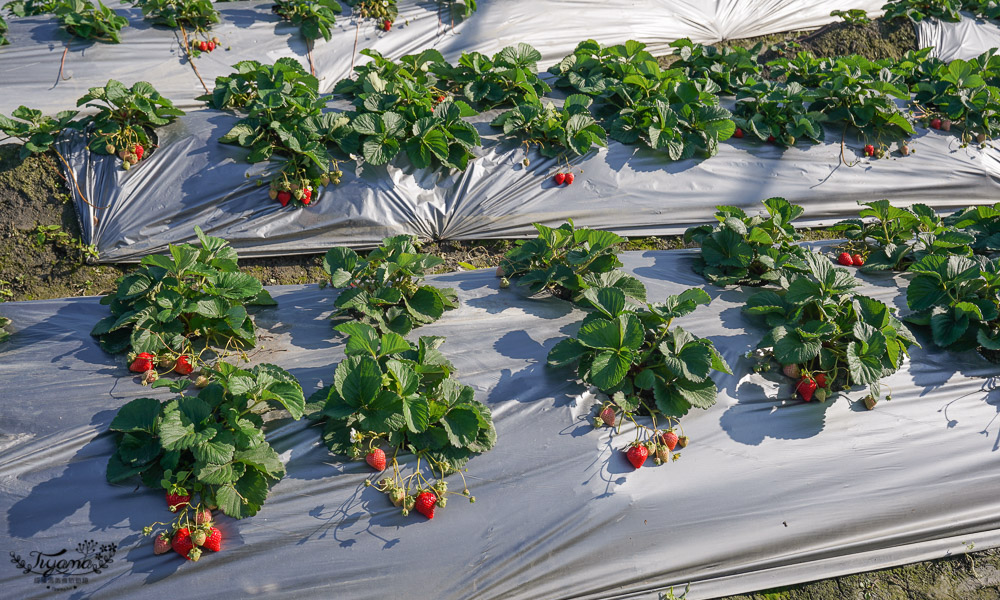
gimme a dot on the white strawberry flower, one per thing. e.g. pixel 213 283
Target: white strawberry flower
pixel 355 436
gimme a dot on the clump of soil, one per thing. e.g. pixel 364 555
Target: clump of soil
pixel 41 255
pixel 875 40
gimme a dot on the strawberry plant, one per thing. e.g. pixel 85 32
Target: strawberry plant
pixel 400 106
pixel 892 238
pixel 384 288
pixel 981 222
pixel 854 16
pixel 3 32
pixel 827 337
pixel 850 94
pixel 554 131
pixel 729 68
pixel 196 15
pixel 959 91
pixel 566 261
pixel 211 444
pixel 125 119
pixel 314 18
pixel 30 8
pixel 284 119
pixel 173 309
pixel 686 119
pixel 89 20
pixel 390 396
pixel 777 112
pixel 639 101
pixel 744 250
pixel 37 132
pixel 958 298
pixel 644 365
pixel 507 79
pixel 918 10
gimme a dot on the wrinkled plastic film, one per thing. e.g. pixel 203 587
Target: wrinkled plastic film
pixel 771 491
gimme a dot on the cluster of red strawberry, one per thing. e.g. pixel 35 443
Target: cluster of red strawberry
pixel 303 194
pixel 942 124
pixel 208 45
pixel 659 448
pixel 424 500
pixel 130 158
pixel 561 178
pixel 874 152
pixel 189 539
pixel 847 259
pixel 146 363
pixel 386 25
pixel 809 385
pixel 440 99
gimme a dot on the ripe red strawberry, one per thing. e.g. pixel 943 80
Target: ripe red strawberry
pixel 770 139
pixel 608 416
pixel 440 98
pixel 204 517
pixel 637 455
pixel 139 151
pixel 203 46
pixel 284 197
pixel 182 366
pixel 935 123
pixel 569 178
pixel 176 501
pixel 791 371
pixel 845 259
pixel 161 544
pixel 559 178
pixel 869 150
pixel 426 502
pixel 820 379
pixel 806 387
pixel 143 362
pixel 669 440
pixel 387 25
pixel 376 459
pixel 211 46
pixel 214 540
pixel 306 196
pixel 182 543
pixel 738 133
pixel 858 260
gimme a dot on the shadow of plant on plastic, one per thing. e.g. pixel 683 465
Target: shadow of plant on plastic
pixel 755 416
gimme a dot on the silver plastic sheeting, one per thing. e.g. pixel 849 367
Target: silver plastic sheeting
pixel 193 180
pixel 29 66
pixel 771 491
pixel 964 40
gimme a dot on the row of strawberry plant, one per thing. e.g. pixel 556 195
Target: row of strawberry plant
pixel 944 10
pixel 651 372
pixel 392 394
pixel 186 315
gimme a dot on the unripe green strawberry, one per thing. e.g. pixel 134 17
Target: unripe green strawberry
pixel 662 453
pixel 682 441
pixel 126 165
pixel 273 194
pixel 504 283
pixel 202 381
pixel 396 495
pixel 820 394
pixel 199 537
